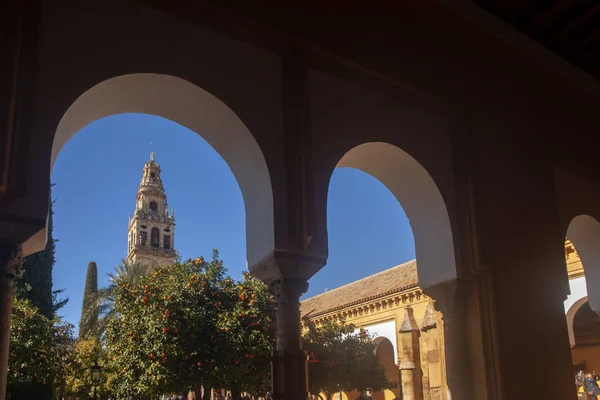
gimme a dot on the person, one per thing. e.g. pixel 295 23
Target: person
pixel 591 387
pixel 580 379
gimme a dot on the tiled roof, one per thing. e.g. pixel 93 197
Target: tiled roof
pixel 395 279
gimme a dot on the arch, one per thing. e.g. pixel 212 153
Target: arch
pixel 420 198
pixel 584 233
pixel 183 102
pixel 571 312
pixel 385 353
pixel 155 237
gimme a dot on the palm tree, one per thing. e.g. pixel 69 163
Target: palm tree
pixel 125 272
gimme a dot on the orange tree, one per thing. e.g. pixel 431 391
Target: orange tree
pixel 246 339
pixel 77 382
pixel 186 325
pixel 341 359
pixel 40 349
pixel 163 336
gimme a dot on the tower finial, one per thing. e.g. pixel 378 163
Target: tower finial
pixel 151 152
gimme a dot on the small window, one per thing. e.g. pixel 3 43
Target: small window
pixel 167 242
pixel 153 206
pixel 153 174
pixel 154 238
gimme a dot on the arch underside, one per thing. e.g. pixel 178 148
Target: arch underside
pixel 422 201
pixel 182 102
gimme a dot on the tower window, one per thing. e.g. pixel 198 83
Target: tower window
pixel 153 206
pixel 153 174
pixel 154 238
pixel 167 242
pixel 143 238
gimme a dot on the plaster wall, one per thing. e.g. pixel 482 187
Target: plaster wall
pixel 578 290
pixel 386 329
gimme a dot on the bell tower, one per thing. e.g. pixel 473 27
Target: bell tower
pixel 151 230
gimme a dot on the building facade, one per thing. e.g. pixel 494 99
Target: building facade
pixel 151 229
pixel 408 332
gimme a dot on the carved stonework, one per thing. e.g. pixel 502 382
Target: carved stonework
pixel 436 393
pixel 152 215
pixel 430 318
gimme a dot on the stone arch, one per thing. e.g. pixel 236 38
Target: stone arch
pixel 385 353
pixel 183 102
pixel 584 233
pixel 571 312
pixel 419 196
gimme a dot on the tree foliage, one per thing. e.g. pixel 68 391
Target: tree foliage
pixel 189 324
pixel 125 272
pixel 247 327
pixel 40 350
pixel 88 325
pixel 35 282
pixel 77 378
pixel 341 359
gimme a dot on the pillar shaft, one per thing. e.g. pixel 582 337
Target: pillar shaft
pixel 290 368
pixel 10 262
pixel 410 364
pixel 451 299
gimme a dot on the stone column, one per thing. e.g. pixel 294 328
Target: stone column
pixel 451 300
pixel 410 364
pixel 10 262
pixel 290 365
pixel 429 322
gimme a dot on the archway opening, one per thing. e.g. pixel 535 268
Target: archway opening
pixel 385 210
pixel 182 102
pixel 164 100
pixel 586 335
pixel 582 256
pixel 386 354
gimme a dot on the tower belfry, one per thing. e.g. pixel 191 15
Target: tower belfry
pixel 151 229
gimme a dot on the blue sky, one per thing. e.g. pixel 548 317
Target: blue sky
pixel 97 175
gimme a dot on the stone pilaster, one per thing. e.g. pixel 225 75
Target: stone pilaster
pixel 429 322
pixel 451 300
pixel 290 368
pixel 10 263
pixel 410 363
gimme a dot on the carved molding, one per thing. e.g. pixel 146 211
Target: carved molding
pixel 358 308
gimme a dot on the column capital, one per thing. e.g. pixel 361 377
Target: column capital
pixel 11 259
pixel 288 289
pixel 451 297
pixel 287 265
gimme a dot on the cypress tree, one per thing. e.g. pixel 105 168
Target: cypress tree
pixel 89 310
pixel 36 282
